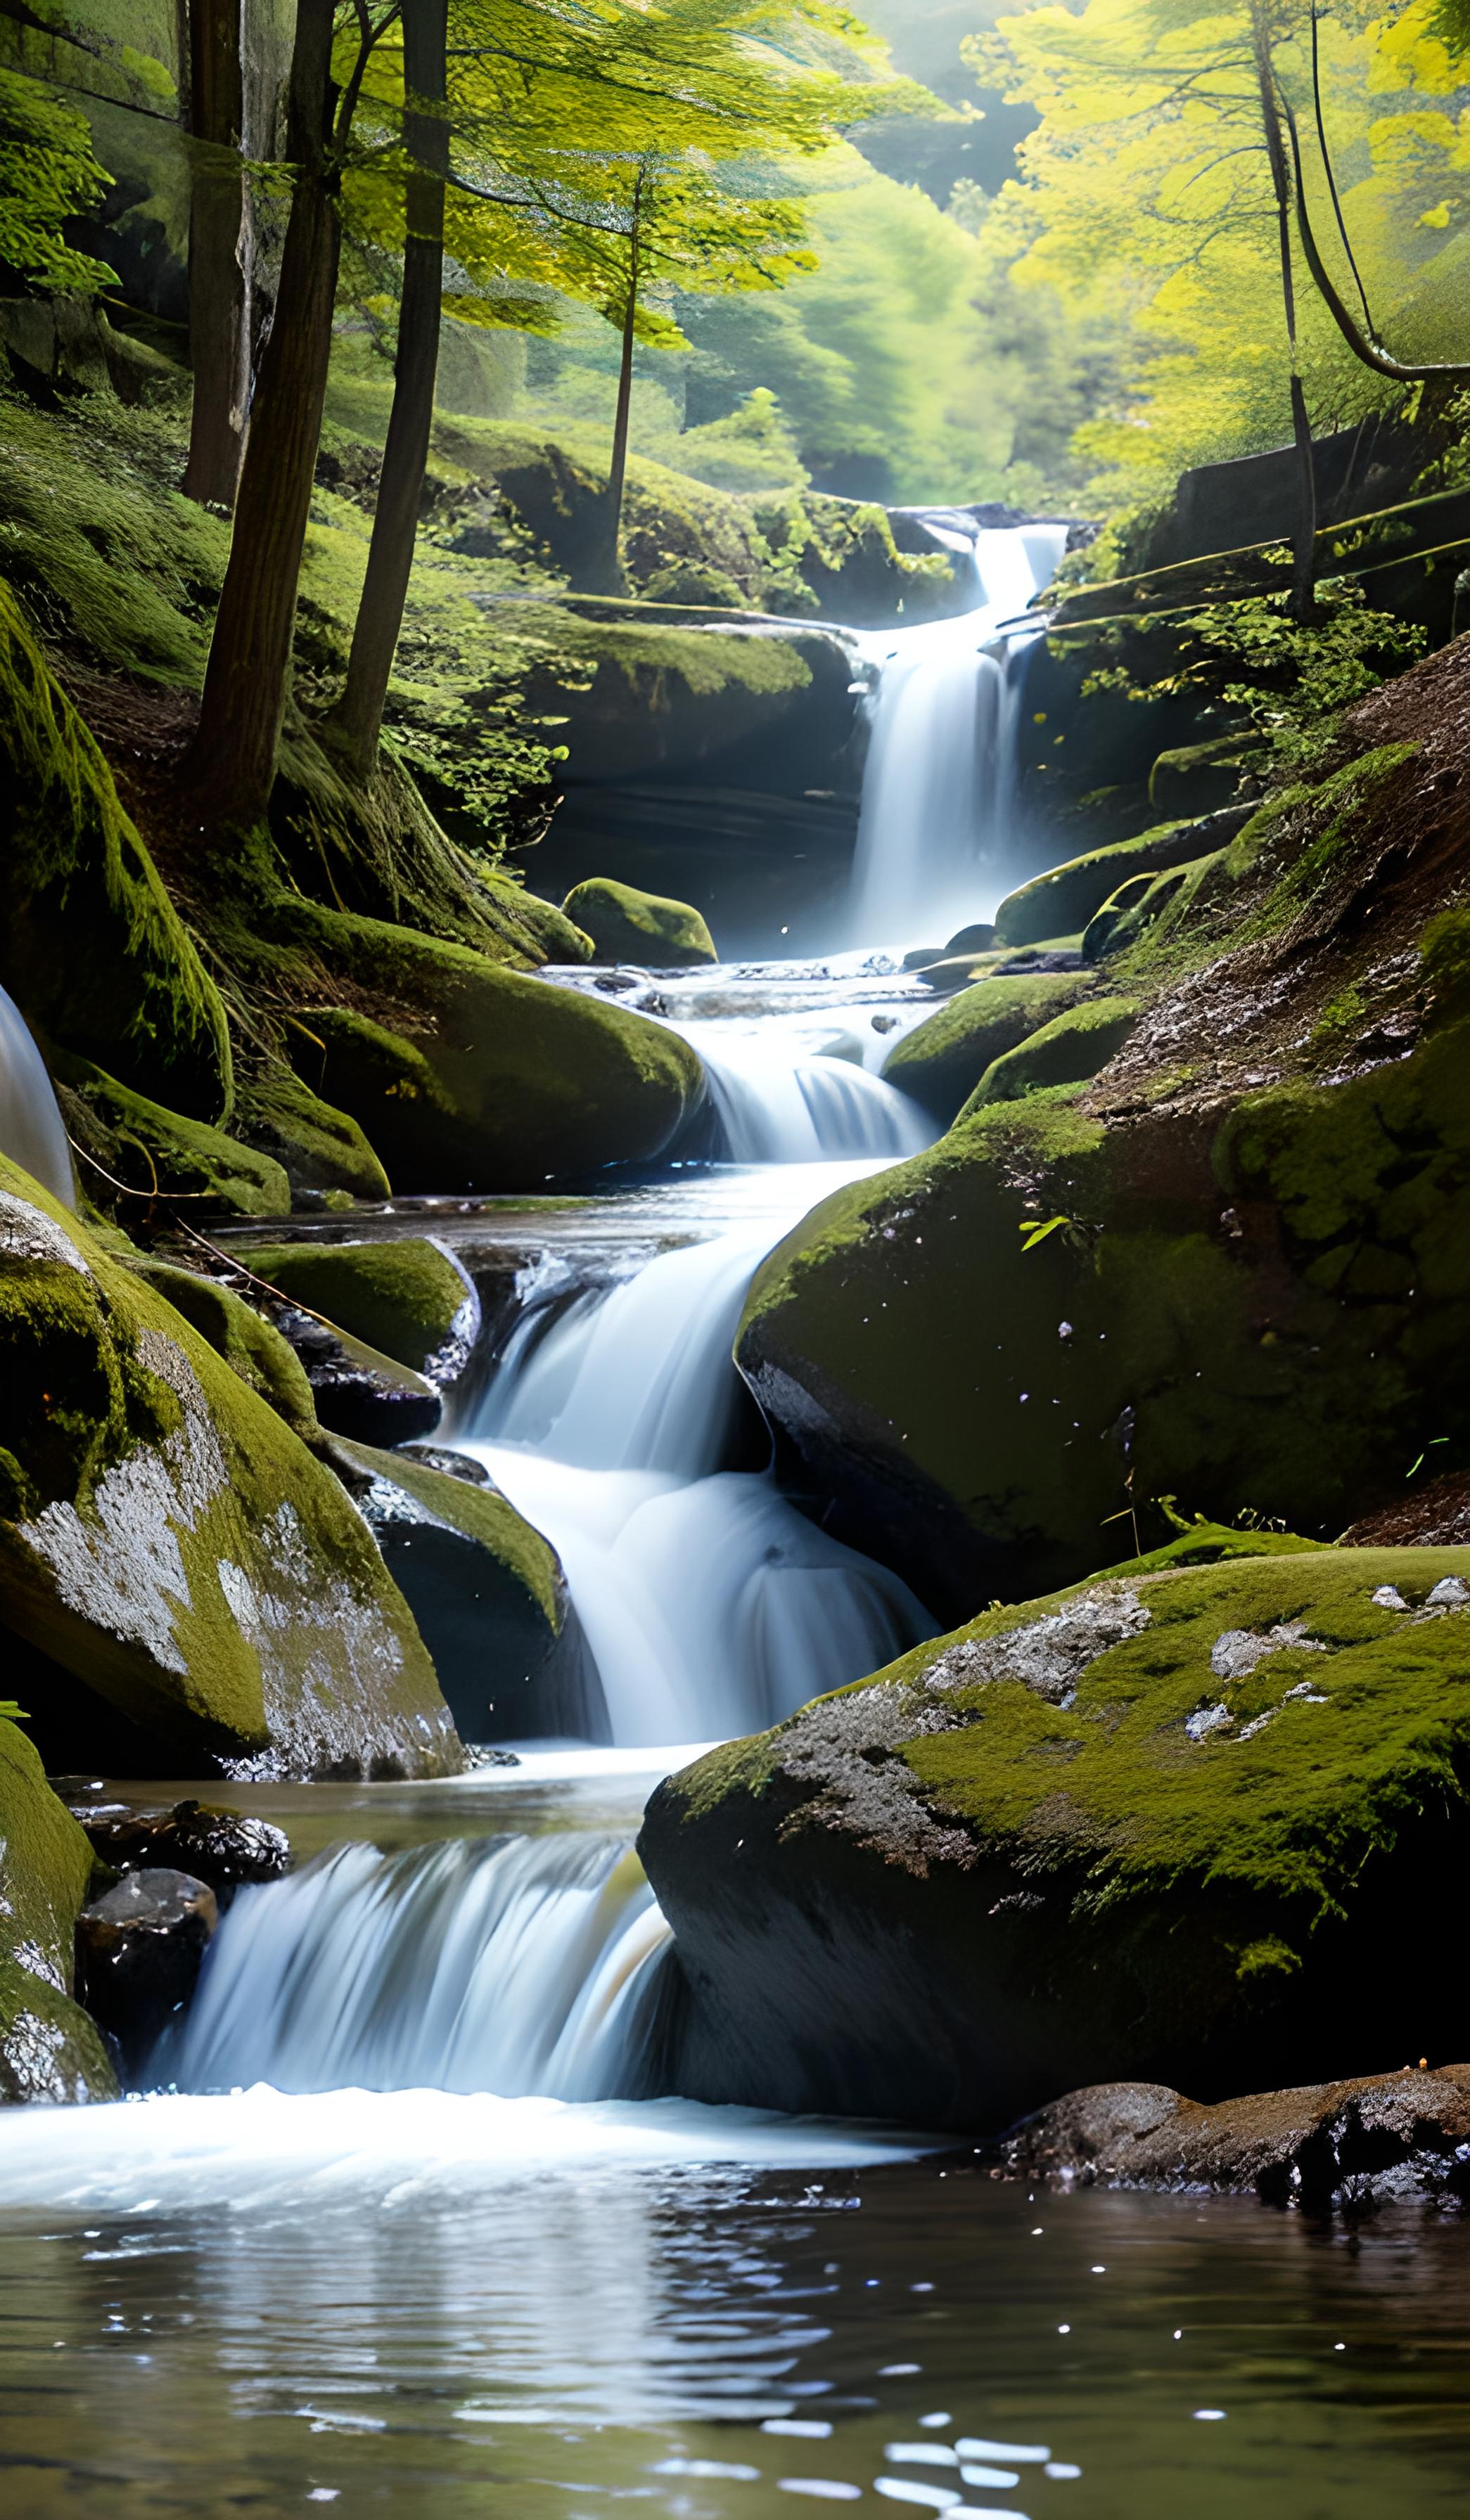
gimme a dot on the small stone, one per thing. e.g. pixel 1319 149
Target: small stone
pixel 1207 1720
pixel 1389 1597
pixel 1450 1594
pixel 138 1954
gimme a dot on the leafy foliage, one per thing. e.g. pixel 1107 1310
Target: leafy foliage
pixel 48 171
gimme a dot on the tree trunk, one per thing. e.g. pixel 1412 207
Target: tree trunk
pixel 219 310
pixel 358 714
pixel 605 572
pixel 1304 540
pixel 233 759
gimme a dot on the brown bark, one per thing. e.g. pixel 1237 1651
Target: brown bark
pixel 1303 539
pixel 605 570
pixel 219 309
pixel 232 763
pixel 358 714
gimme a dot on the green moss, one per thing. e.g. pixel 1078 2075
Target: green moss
pixel 1067 897
pixel 150 1149
pixel 486 1079
pixel 1068 1050
pixel 401 1297
pixel 318 1147
pixel 173 1545
pixel 943 1059
pixel 93 950
pixel 480 1514
pixel 49 2049
pixel 626 925
pixel 249 1344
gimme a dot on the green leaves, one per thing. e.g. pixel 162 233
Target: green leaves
pixel 11 1713
pixel 1032 1235
pixel 47 173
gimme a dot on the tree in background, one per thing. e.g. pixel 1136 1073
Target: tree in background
pixel 220 253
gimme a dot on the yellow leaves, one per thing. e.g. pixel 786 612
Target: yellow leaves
pixel 1438 217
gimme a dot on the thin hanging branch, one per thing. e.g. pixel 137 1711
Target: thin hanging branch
pixel 1327 170
pixel 1364 346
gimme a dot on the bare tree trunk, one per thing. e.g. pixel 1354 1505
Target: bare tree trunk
pixel 358 714
pixel 233 759
pixel 605 569
pixel 1304 540
pixel 219 311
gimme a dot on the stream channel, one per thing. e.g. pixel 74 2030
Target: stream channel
pixel 412 2222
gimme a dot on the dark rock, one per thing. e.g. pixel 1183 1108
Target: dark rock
pixel 139 1951
pixel 1348 2145
pixel 223 1848
pixel 359 1393
pixel 977 938
pixel 919 957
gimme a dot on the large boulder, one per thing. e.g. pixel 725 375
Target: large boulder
pixel 49 2049
pixel 188 1585
pixel 150 1149
pixel 943 1059
pixel 472 1077
pixel 487 1590
pixel 626 925
pixel 1182 1824
pixel 91 946
pixel 1232 1268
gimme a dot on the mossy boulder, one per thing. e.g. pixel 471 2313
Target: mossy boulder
pixel 1184 1826
pixel 1062 901
pixel 91 946
pixel 1257 1309
pixel 49 2049
pixel 149 1148
pixel 941 1062
pixel 319 1147
pixel 172 1557
pixel 1066 1051
pixel 252 1346
pixel 474 1077
pixel 626 925
pixel 408 1298
pixel 487 1590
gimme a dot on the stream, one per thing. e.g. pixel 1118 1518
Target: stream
pixel 410 2221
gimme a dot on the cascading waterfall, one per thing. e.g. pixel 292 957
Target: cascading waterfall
pixel 31 1130
pixel 779 1108
pixel 513 1966
pixel 939 789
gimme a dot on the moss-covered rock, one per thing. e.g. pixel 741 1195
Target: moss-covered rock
pixel 943 1059
pixel 49 2049
pixel 479 1078
pixel 1184 1826
pixel 1063 901
pixel 91 946
pixel 319 1147
pixel 248 1342
pixel 148 1148
pixel 626 925
pixel 1066 1051
pixel 487 1592
pixel 407 1297
pixel 167 1542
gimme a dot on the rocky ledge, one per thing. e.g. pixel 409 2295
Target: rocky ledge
pixel 1346 2146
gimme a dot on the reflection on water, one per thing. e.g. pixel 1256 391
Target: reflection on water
pixel 558 2336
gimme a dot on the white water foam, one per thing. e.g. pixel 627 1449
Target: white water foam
pixel 939 789
pixel 32 1129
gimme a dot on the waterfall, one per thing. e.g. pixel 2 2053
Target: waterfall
pixel 511 1964
pixel 938 789
pixel 711 1606
pixel 31 1132
pixel 778 1104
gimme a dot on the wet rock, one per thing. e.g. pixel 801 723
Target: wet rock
pixel 173 1550
pixel 405 1297
pixel 355 1390
pixel 1056 1848
pixel 628 926
pixel 48 2047
pixel 139 1952
pixel 943 1059
pixel 1348 2146
pixel 223 1848
pixel 487 1592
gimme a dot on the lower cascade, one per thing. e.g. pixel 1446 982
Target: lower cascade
pixel 515 1966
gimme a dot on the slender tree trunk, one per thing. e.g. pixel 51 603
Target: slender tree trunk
pixel 1304 540
pixel 605 573
pixel 359 715
pixel 233 759
pixel 219 309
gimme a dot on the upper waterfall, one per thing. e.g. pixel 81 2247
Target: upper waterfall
pixel 31 1130
pixel 938 789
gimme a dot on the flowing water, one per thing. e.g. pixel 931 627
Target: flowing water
pixel 31 1130
pixel 413 2219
